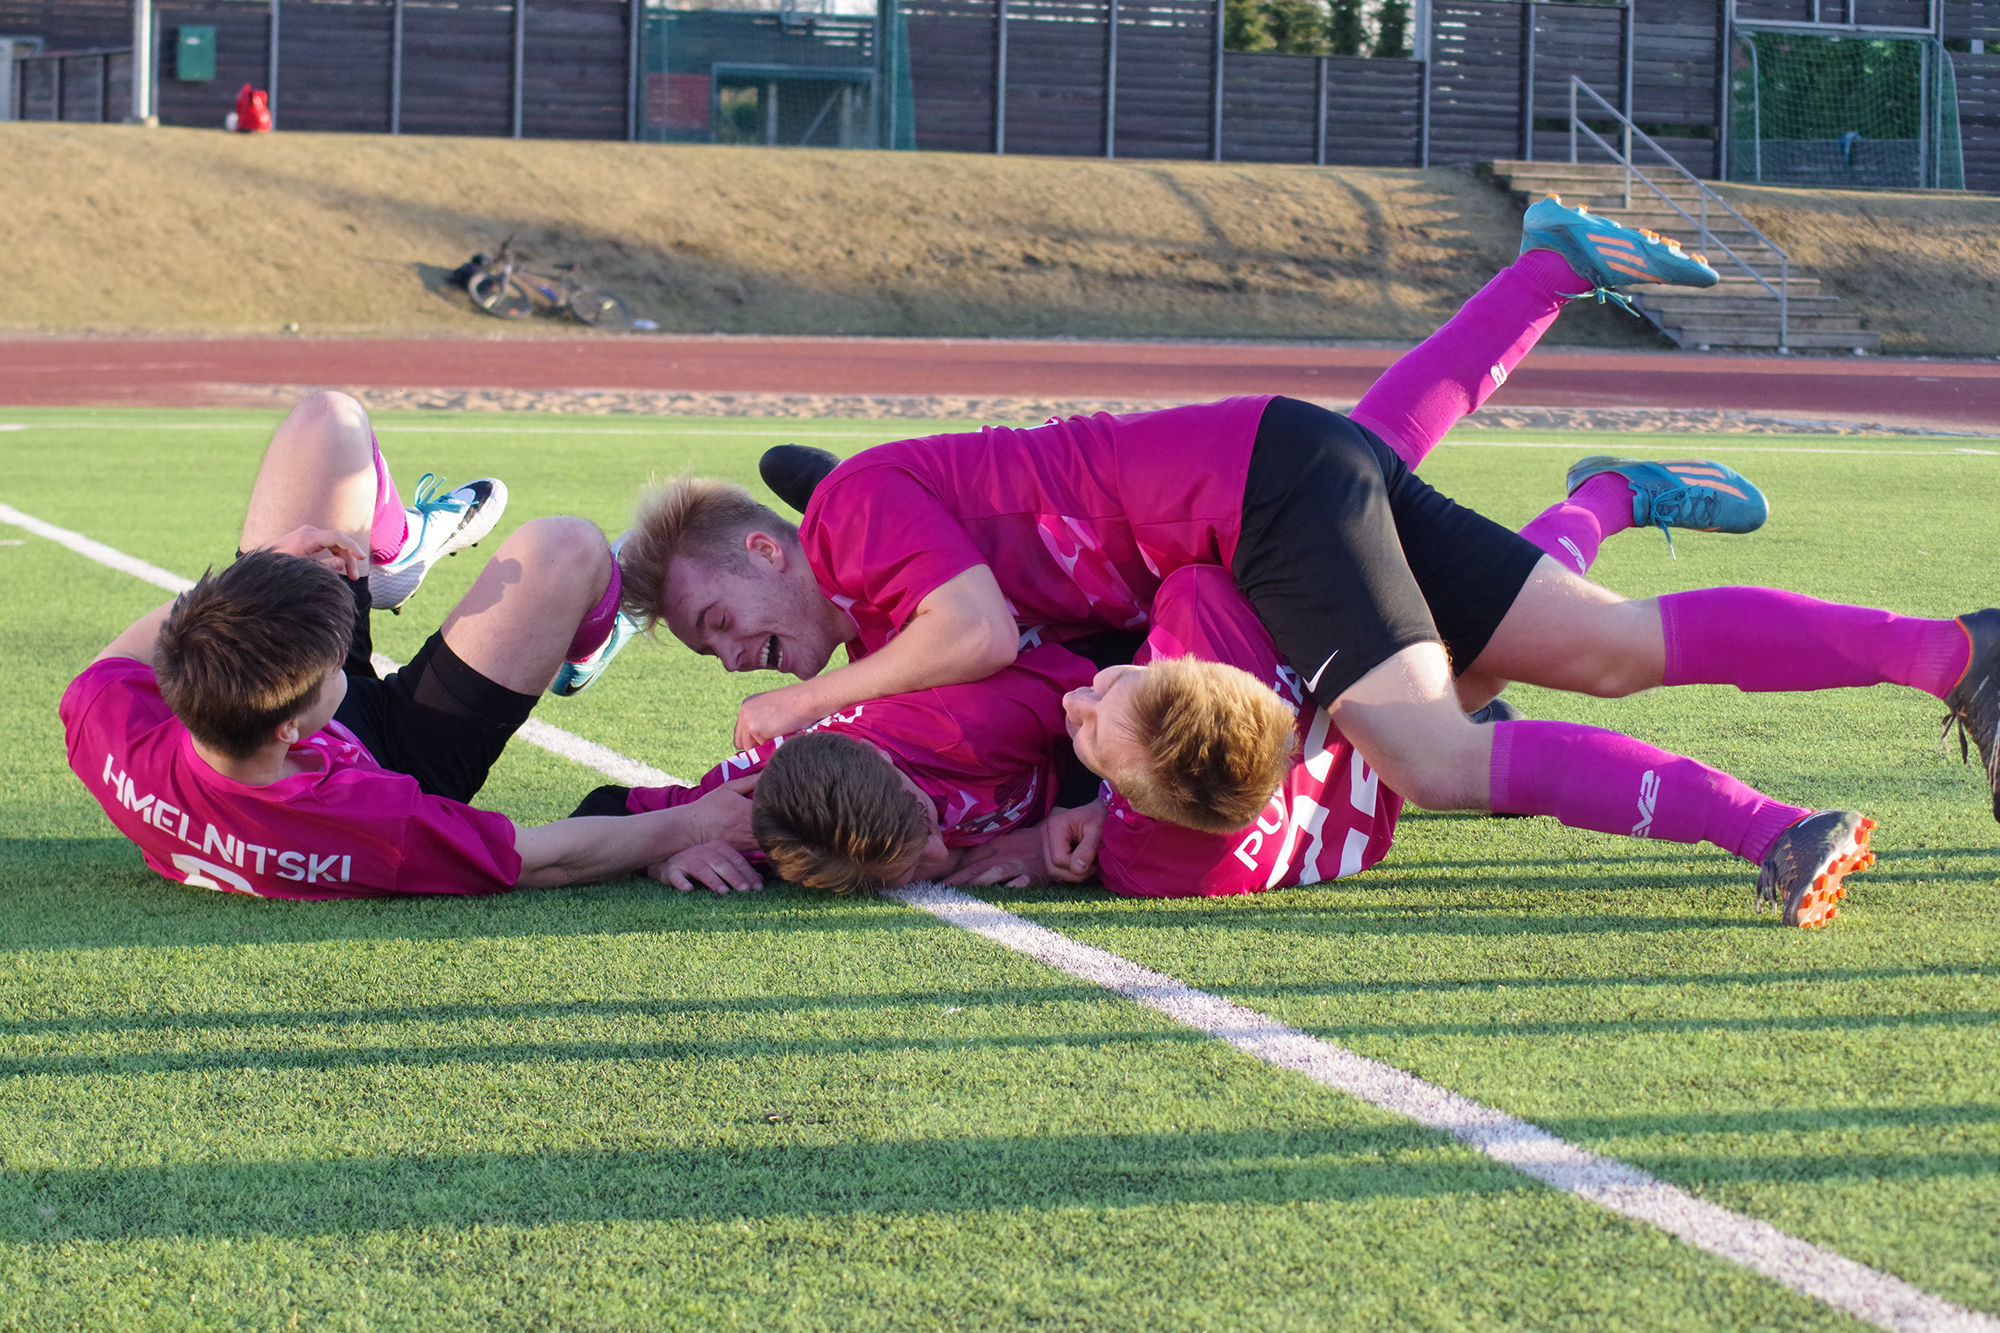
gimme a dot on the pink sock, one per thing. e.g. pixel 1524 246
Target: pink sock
pixel 1571 530
pixel 1449 374
pixel 391 526
pixel 598 621
pixel 1766 639
pixel 1595 779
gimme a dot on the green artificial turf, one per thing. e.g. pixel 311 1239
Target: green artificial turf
pixel 616 1107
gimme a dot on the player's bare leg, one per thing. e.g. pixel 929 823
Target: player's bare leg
pixel 520 620
pixel 318 471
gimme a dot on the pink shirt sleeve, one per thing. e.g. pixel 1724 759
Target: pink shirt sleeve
pixel 880 539
pixel 453 848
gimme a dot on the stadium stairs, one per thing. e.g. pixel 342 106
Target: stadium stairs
pixel 1736 312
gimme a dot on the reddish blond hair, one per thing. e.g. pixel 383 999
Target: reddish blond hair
pixel 1217 740
pixel 700 518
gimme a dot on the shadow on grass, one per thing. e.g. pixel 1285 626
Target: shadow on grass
pixel 766 1173
pixel 1798 1121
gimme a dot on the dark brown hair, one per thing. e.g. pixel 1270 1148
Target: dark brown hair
pixel 1219 742
pixel 246 649
pixel 832 813
pixel 700 518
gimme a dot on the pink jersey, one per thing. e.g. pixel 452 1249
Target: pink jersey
pixel 348 828
pixel 1330 819
pixel 1079 519
pixel 985 753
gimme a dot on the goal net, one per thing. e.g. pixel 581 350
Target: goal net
pixel 1856 111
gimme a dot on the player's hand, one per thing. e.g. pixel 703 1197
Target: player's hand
pixel 774 713
pixel 714 865
pixel 723 815
pixel 1014 859
pixel 1069 841
pixel 336 550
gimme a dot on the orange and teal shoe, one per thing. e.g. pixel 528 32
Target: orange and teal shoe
pixel 1804 874
pixel 1693 493
pixel 1608 255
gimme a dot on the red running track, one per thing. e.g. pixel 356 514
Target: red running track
pixel 1952 395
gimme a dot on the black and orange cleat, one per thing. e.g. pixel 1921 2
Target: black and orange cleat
pixel 1803 874
pixel 1975 701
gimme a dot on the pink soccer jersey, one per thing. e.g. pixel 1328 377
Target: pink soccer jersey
pixel 1079 519
pixel 1330 819
pixel 984 753
pixel 348 828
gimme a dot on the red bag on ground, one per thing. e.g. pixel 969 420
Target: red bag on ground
pixel 253 111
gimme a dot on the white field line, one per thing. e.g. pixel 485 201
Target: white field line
pixel 1864 1292
pixel 1714 444
pixel 1867 1293
pixel 668 427
pixel 534 731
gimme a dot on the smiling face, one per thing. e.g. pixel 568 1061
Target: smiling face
pixel 1100 721
pixel 764 613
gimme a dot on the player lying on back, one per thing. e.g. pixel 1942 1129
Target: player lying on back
pixel 240 737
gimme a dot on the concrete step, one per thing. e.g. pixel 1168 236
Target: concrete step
pixel 1766 319
pixel 1697 305
pixel 1797 339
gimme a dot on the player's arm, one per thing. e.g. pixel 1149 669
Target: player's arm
pixel 139 638
pixel 337 551
pixel 961 631
pixel 578 851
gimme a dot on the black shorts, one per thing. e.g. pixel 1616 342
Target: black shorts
pixel 437 719
pixel 1349 558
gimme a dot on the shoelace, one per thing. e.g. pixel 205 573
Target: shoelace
pixel 1603 295
pixel 1696 503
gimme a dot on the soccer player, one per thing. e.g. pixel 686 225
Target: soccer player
pixel 240 737
pixel 891 790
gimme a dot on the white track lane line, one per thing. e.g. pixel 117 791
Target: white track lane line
pixel 1866 1293
pixel 536 732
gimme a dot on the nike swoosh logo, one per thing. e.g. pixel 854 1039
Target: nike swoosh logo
pixel 1313 684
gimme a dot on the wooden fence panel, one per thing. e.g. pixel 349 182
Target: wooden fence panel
pixel 334 65
pixel 68 25
pixel 1055 77
pixel 1270 107
pixel 37 94
pixel 1372 112
pixel 952 50
pixel 1166 78
pixel 242 55
pixel 1476 52
pixel 578 53
pixel 83 88
pixel 1978 19
pixel 1585 40
pixel 458 67
pixel 1979 118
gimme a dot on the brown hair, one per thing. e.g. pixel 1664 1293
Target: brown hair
pixel 832 813
pixel 1218 741
pixel 699 517
pixel 247 649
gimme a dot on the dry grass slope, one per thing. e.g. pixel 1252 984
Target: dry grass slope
pixel 113 229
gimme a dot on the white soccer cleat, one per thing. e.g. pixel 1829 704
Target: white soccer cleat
pixel 440 525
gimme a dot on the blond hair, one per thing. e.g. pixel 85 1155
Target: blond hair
pixel 832 813
pixel 1218 742
pixel 699 518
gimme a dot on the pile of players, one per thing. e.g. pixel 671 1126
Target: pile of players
pixel 1207 650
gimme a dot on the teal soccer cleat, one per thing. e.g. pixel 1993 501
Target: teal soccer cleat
pixel 1608 255
pixel 1691 493
pixel 575 677
pixel 439 525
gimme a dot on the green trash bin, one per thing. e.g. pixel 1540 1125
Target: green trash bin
pixel 194 54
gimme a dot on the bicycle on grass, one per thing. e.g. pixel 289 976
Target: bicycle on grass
pixel 507 289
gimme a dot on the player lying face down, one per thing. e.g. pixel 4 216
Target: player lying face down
pixel 888 791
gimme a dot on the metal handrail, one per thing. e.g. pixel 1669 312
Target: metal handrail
pixel 1783 291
